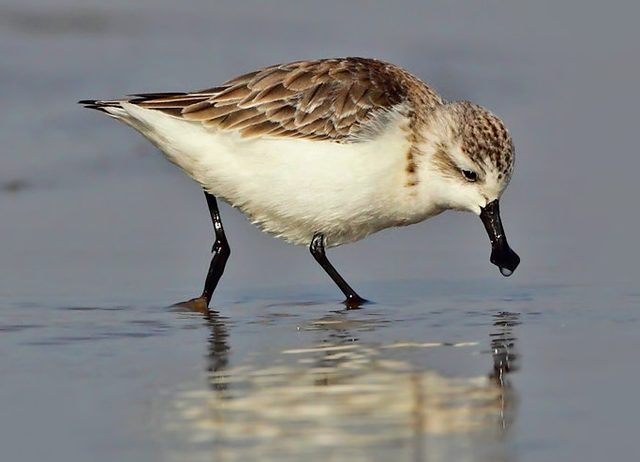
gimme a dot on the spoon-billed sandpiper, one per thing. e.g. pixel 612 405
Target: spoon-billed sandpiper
pixel 326 152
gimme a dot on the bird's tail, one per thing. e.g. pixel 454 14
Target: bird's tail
pixel 161 101
pixel 112 107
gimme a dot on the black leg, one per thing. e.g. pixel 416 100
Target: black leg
pixel 317 250
pixel 221 251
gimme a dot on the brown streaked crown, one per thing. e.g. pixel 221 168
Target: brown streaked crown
pixel 339 100
pixel 484 137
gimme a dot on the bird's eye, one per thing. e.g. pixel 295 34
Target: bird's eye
pixel 470 175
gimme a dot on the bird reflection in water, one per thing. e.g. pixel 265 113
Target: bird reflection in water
pixel 505 361
pixel 344 394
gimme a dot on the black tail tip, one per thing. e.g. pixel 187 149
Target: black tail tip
pixel 94 104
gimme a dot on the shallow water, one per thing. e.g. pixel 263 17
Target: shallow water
pixel 101 236
pixel 456 373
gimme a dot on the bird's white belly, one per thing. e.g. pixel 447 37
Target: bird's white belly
pixel 294 188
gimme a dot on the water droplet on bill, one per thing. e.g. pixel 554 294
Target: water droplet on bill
pixel 506 271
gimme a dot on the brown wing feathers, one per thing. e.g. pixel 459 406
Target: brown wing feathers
pixel 329 99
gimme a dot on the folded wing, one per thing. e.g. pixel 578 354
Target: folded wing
pixel 340 100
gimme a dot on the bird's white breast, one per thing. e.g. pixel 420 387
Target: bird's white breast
pixel 293 188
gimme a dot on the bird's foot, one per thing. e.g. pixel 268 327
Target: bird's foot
pixel 354 302
pixel 196 305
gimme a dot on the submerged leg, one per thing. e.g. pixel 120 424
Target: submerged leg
pixel 317 250
pixel 221 251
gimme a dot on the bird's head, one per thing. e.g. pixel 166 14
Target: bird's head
pixel 469 158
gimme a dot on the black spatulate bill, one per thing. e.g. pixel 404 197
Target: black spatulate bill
pixel 501 254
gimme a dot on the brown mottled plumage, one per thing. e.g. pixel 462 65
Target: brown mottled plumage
pixel 328 99
pixel 485 138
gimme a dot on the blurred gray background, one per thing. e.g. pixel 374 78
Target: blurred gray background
pixel 563 75
pixel 92 214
